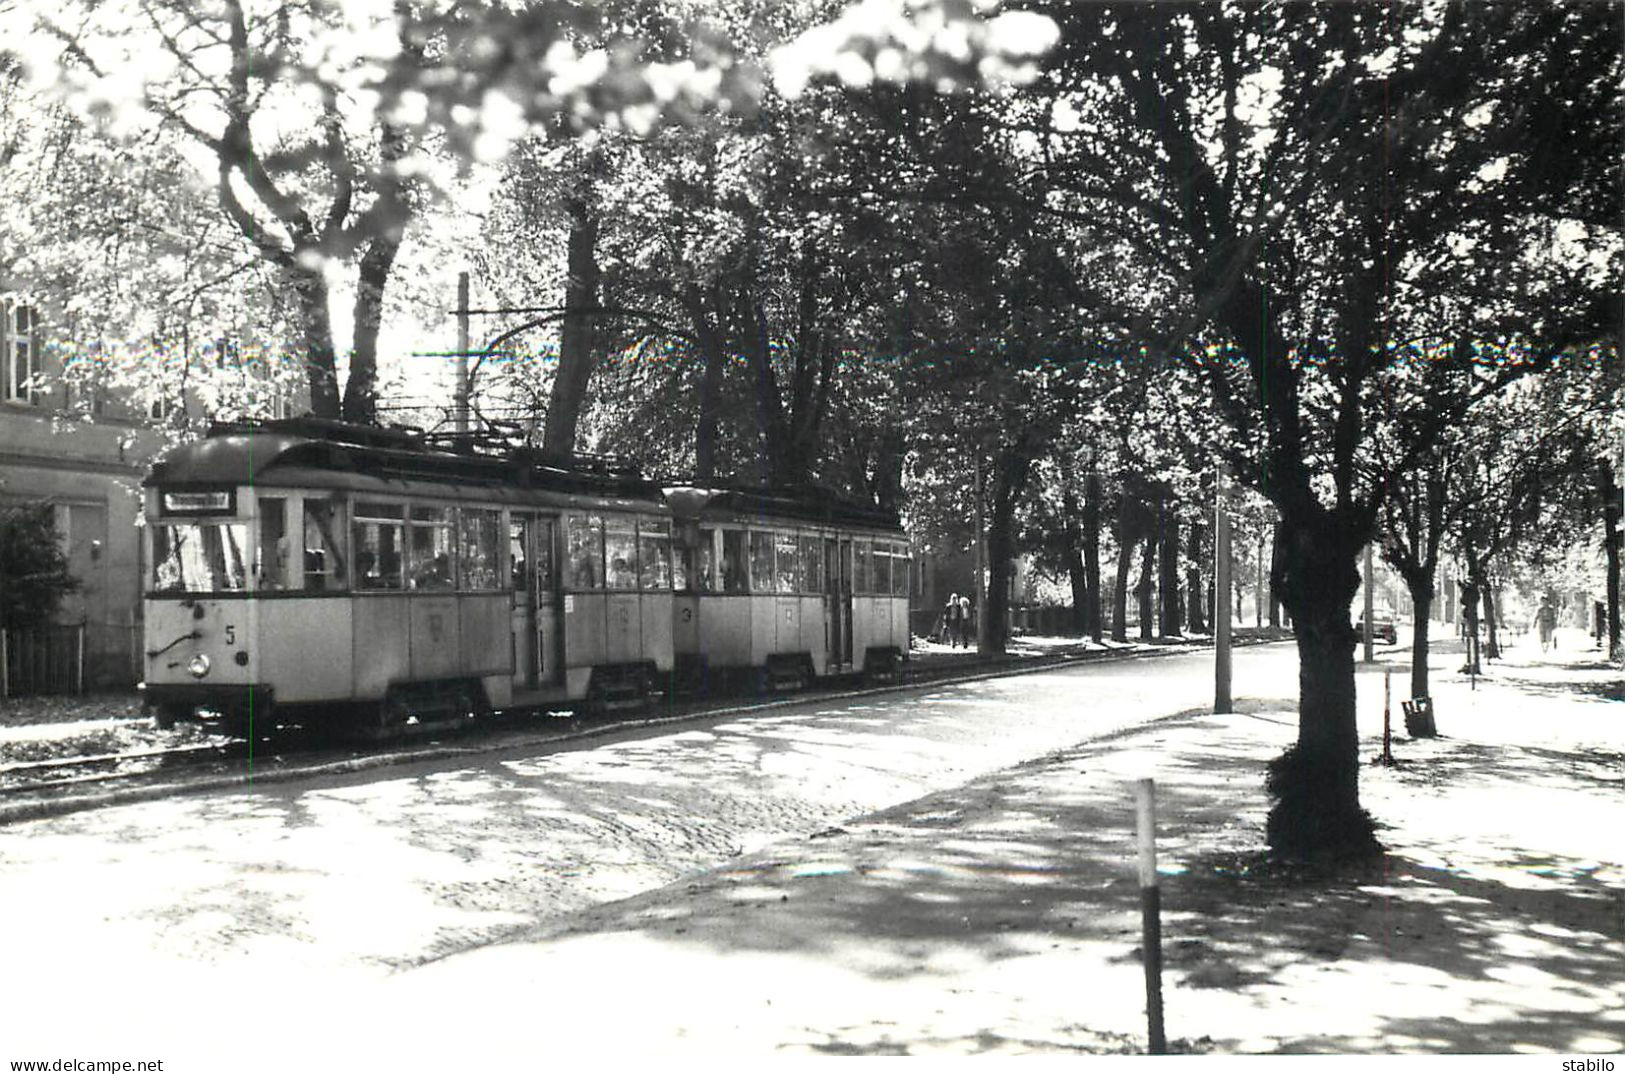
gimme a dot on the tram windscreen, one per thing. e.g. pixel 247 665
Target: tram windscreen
pixel 200 557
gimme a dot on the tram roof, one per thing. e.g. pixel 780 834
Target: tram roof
pixel 302 452
pixel 809 504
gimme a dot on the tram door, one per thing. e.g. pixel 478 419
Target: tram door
pixel 838 598
pixel 538 638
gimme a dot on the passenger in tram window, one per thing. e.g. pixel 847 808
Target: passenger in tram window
pixel 366 565
pixel 621 575
pixel 521 580
pixel 389 570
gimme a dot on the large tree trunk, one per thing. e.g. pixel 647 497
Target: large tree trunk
pixel 1168 571
pixel 1193 584
pixel 1422 599
pixel 1010 479
pixel 1469 609
pixel 1276 566
pixel 321 369
pixel 1125 560
pixel 1072 532
pixel 1091 554
pixel 1315 784
pixel 712 353
pixel 1492 644
pixel 361 390
pixel 1147 588
pixel 1611 509
pixel 577 356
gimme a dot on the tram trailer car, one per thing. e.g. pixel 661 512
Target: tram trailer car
pixel 308 571
pixel 787 587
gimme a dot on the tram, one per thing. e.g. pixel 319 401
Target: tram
pixel 787 587
pixel 309 570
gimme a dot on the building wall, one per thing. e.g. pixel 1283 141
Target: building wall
pixel 90 474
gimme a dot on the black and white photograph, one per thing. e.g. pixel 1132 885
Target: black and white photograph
pixel 548 532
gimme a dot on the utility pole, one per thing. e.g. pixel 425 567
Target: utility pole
pixel 981 563
pixel 1221 603
pixel 1369 606
pixel 460 396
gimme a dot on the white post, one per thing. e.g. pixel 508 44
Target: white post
pixel 1221 603
pixel 1145 802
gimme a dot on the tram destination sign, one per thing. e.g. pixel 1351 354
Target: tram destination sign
pixel 204 502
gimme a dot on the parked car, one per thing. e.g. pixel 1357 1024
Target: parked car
pixel 1383 629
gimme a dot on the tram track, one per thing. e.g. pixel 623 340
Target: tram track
pixel 32 789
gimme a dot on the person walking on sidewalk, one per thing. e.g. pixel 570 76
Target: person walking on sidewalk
pixel 950 620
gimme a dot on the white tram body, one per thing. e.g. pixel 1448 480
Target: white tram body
pixel 310 565
pixel 793 587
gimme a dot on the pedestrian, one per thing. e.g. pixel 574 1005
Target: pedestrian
pixel 965 620
pixel 950 620
pixel 1546 624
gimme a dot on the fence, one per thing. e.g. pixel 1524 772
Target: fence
pixel 46 660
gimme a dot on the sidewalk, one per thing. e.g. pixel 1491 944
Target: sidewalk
pixel 1003 916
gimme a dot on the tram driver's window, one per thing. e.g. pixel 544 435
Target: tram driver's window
pixel 324 566
pixel 862 567
pixel 733 561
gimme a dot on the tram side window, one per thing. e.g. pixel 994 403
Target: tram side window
pixel 200 557
pixel 654 554
pixel 900 565
pixel 789 558
pixel 620 553
pixel 862 567
pixel 584 551
pixel 883 565
pixel 431 566
pixel 705 563
pixel 761 562
pixel 379 540
pixel 734 560
pixel 324 545
pixel 271 551
pixel 477 530
pixel 812 564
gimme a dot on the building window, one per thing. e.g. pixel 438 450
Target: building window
pixel 19 353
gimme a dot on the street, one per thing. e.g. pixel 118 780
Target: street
pixel 371 873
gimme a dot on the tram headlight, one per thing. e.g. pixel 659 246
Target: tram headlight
pixel 198 666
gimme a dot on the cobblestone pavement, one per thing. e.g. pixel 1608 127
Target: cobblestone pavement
pixel 376 872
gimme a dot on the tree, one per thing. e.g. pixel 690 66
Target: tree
pixel 1346 171
pixel 320 119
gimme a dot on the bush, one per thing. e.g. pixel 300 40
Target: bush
pixel 33 570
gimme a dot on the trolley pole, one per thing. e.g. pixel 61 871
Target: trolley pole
pixel 1221 596
pixel 460 395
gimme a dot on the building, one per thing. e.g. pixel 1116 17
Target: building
pixel 83 449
